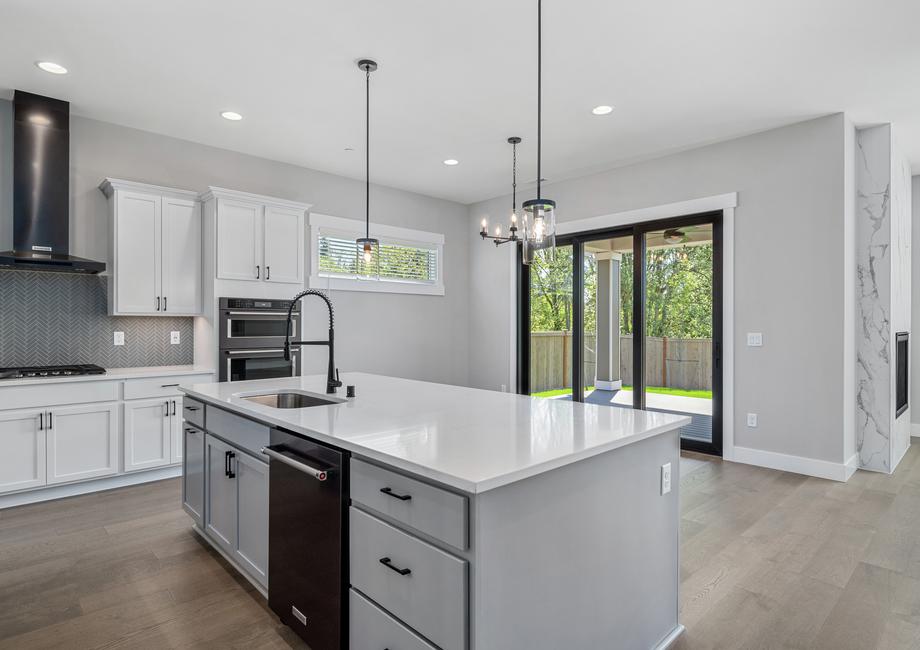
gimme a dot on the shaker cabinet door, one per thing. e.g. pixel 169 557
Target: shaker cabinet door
pixel 147 434
pixel 181 256
pixel 239 240
pixel 22 450
pixel 284 245
pixel 137 245
pixel 82 441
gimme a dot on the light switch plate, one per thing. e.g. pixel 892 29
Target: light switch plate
pixel 665 478
pixel 174 338
pixel 755 339
pixel 752 420
pixel 119 338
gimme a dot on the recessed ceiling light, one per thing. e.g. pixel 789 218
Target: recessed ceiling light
pixel 50 66
pixel 450 162
pixel 602 110
pixel 232 116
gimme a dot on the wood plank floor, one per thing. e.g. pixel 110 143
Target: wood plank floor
pixel 769 560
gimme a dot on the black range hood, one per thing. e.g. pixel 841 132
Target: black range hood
pixel 41 188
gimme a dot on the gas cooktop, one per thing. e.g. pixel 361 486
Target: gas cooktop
pixel 51 371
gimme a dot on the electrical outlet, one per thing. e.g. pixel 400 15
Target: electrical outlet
pixel 752 419
pixel 119 338
pixel 755 339
pixel 174 338
pixel 665 478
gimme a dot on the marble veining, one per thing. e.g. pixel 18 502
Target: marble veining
pixel 873 285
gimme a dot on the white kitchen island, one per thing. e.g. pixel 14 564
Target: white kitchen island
pixel 548 516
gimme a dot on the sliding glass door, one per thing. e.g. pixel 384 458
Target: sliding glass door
pixel 629 318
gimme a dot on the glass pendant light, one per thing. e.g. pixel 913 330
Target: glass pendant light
pixel 368 247
pixel 539 218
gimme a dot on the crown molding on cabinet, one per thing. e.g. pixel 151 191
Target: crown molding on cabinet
pixel 220 192
pixel 110 185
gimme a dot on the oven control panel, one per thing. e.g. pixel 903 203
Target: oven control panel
pixel 256 304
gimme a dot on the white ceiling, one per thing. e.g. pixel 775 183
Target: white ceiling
pixel 457 78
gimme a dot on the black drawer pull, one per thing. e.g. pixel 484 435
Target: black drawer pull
pixel 168 385
pixel 385 561
pixel 390 493
pixel 191 408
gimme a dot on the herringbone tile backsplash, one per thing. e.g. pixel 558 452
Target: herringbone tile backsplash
pixel 58 318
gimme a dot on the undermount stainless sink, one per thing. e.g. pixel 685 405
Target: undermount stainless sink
pixel 288 400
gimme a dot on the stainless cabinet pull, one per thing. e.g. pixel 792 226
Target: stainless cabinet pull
pixel 318 474
pixel 385 561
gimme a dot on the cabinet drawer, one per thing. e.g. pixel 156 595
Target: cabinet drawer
pixel 371 628
pixel 238 431
pixel 415 581
pixel 429 509
pixel 160 386
pixel 55 392
pixel 193 411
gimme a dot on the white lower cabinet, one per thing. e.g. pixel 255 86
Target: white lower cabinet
pixel 147 434
pixel 82 441
pixel 22 440
pixel 236 510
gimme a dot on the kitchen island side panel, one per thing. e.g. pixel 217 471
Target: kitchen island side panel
pixel 580 557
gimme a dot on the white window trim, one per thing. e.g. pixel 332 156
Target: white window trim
pixel 388 233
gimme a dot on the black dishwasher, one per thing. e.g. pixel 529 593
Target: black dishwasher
pixel 307 538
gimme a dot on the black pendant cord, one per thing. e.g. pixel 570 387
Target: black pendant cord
pixel 539 92
pixel 367 154
pixel 513 178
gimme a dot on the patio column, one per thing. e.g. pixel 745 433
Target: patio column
pixel 608 322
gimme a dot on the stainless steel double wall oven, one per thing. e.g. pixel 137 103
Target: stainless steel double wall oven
pixel 252 335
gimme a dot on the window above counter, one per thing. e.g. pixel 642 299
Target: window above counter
pixel 409 261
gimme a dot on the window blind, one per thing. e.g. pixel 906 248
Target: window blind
pixel 398 261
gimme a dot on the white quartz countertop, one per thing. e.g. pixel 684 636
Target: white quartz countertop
pixel 472 440
pixel 116 374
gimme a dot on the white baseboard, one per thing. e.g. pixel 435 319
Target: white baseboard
pixel 601 384
pixel 669 640
pixel 797 464
pixel 915 429
pixel 74 489
pixel 851 466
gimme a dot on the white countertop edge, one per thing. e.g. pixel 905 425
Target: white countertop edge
pixel 114 374
pixel 450 480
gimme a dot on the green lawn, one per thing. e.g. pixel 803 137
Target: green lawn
pixel 661 390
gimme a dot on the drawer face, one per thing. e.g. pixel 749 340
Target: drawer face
pixel 160 386
pixel 238 431
pixel 431 597
pixel 434 511
pixel 77 392
pixel 371 628
pixel 193 411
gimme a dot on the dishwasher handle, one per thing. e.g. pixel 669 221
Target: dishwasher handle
pixel 318 474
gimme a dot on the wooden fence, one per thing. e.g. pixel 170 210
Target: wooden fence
pixel 675 363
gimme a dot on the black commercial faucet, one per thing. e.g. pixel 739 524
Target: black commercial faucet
pixel 332 378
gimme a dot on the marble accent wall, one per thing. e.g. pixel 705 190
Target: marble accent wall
pixel 882 288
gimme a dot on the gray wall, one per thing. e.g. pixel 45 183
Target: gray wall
pixel 915 305
pixel 420 337
pixel 789 270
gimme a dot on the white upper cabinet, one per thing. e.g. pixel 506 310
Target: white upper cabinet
pixel 181 256
pixel 259 238
pixel 238 229
pixel 155 250
pixel 283 244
